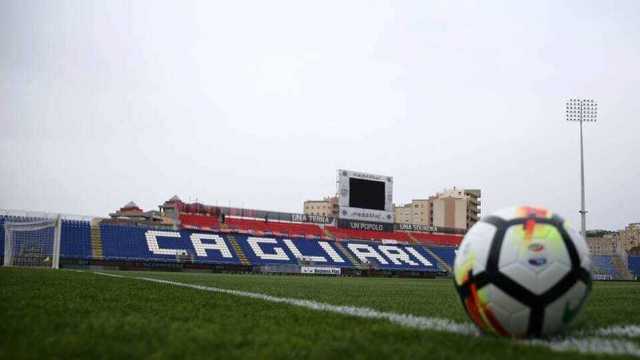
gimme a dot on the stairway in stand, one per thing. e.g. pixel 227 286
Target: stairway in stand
pixel 357 264
pixel 328 233
pixel 236 247
pixel 443 264
pixel 412 239
pixel 96 239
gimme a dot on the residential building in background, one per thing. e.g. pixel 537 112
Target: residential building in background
pixel 604 244
pixel 456 208
pixel 453 208
pixel 607 242
pixel 418 211
pixel 630 238
pixel 325 207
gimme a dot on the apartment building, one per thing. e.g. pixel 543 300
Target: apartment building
pixel 451 208
pixel 325 207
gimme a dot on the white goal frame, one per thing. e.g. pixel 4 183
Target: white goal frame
pixel 10 228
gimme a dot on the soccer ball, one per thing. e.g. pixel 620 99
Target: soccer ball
pixel 522 272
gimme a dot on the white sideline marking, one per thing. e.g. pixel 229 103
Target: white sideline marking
pixel 590 345
pixel 631 331
pixel 417 322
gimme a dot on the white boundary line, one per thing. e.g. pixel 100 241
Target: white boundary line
pixel 631 331
pixel 417 322
pixel 587 345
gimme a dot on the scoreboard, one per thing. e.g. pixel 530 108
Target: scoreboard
pixel 365 197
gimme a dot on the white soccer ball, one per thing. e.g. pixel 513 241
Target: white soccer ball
pixel 522 272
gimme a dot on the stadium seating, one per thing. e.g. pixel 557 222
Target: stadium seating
pixel 277 228
pixel 282 251
pixel 402 236
pixel 391 256
pixel 634 265
pixel 1 236
pixel 259 242
pixel 446 253
pixel 140 243
pixel 75 239
pixel 603 266
pixel 437 239
pixel 345 234
pixel 201 221
pixel 144 244
pixel 122 242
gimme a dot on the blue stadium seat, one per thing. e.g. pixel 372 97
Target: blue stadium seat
pixel 2 236
pixel 139 243
pixel 75 240
pixel 392 256
pixel 446 253
pixel 281 251
pixel 634 265
pixel 121 242
pixel 603 266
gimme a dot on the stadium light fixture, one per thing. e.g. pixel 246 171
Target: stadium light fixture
pixel 582 110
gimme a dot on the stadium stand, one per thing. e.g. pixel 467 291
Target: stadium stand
pixel 275 228
pixel 75 239
pixel 603 267
pixel 121 242
pixel 446 253
pixel 2 236
pixel 199 221
pixel 392 256
pixel 634 265
pixel 294 229
pixel 345 234
pixel 437 239
pixel 277 250
pixel 204 239
pixel 246 242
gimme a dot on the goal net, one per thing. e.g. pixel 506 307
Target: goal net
pixel 35 243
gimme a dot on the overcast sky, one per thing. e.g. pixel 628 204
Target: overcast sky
pixel 256 104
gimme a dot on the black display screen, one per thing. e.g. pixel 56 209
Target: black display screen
pixel 366 194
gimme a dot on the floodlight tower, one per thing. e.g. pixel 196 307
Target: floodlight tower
pixel 582 110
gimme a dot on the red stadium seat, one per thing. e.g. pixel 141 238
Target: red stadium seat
pixel 200 221
pixel 261 227
pixel 437 239
pixel 425 238
pixel 276 228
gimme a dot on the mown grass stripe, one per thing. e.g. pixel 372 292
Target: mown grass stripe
pixel 588 345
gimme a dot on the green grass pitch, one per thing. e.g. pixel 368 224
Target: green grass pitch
pixel 64 314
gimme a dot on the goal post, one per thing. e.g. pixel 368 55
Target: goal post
pixel 33 243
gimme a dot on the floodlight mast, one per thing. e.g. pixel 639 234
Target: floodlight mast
pixel 582 110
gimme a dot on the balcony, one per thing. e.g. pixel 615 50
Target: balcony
pixel 474 201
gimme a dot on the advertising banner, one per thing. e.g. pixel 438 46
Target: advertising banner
pixel 365 225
